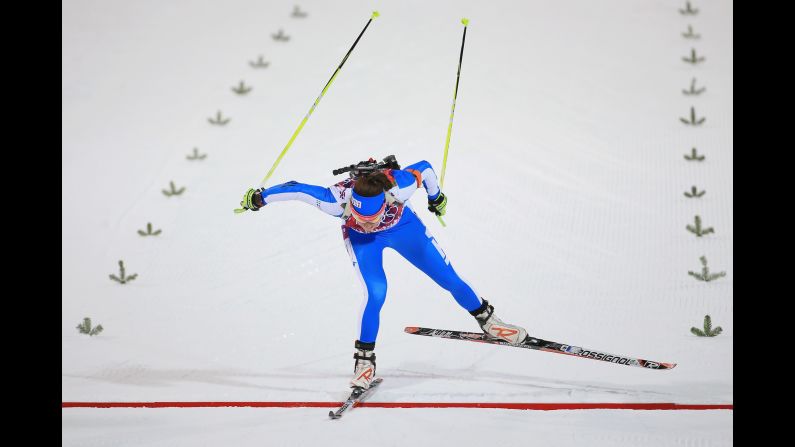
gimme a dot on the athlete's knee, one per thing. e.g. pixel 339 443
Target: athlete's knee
pixel 376 293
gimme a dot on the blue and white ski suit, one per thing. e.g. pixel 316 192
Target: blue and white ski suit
pixel 400 229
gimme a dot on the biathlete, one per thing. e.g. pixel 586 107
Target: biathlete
pixel 377 214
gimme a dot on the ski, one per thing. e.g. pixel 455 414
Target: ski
pixel 357 395
pixel 542 345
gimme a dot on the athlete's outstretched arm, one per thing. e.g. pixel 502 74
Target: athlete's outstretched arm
pixel 321 197
pixel 410 178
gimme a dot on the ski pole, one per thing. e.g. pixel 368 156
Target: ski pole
pixel 465 21
pixel 312 109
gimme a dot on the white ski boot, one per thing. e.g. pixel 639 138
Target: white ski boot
pixel 364 368
pixel 495 327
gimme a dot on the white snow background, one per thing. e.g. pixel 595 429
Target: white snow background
pixel 566 211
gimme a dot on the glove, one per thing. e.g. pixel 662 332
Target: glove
pixel 252 199
pixel 438 205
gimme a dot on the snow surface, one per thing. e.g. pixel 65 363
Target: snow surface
pixel 566 210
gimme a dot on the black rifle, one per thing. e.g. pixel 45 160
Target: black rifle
pixel 366 167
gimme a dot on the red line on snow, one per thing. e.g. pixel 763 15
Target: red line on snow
pixel 506 406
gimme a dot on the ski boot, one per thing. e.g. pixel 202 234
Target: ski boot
pixel 494 327
pixel 364 368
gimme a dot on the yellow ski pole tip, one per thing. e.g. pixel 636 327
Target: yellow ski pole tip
pixel 465 21
pixel 376 14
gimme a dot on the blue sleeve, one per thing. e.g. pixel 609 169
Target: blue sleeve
pixel 318 196
pixel 429 180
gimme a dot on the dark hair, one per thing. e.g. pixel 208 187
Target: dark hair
pixel 373 184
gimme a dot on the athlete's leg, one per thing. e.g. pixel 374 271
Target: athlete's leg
pixel 415 243
pixel 366 253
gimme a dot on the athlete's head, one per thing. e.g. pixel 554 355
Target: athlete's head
pixel 368 200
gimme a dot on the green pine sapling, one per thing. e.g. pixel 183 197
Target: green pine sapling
pixel 122 278
pixel 708 331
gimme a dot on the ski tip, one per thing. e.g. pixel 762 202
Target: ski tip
pixel 669 365
pixel 375 14
pixel 411 329
pixel 465 21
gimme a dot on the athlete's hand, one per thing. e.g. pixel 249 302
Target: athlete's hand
pixel 438 205
pixel 252 199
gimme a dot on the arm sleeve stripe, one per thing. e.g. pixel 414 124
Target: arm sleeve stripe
pixel 417 175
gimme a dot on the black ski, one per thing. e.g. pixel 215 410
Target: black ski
pixel 357 395
pixel 541 345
